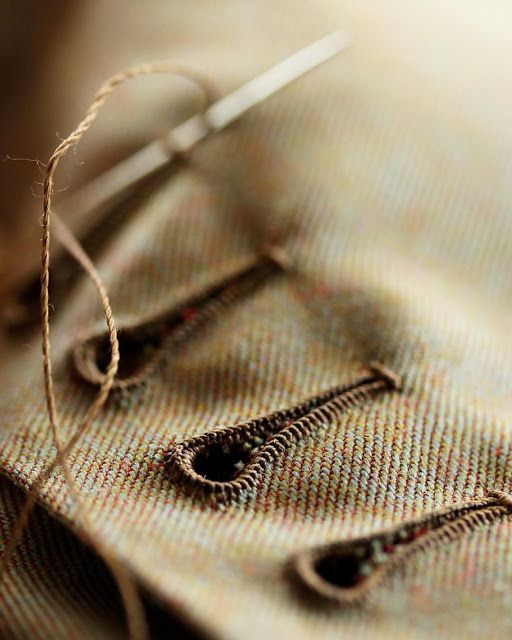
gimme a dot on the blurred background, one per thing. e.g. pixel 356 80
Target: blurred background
pixel 443 65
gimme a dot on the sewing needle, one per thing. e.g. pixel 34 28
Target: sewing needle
pixel 184 136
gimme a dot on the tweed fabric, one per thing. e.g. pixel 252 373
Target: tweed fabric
pixel 54 586
pixel 396 214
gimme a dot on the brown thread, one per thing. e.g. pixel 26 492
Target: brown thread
pixel 153 338
pixel 235 457
pixel 348 572
pixel 134 610
pixel 93 239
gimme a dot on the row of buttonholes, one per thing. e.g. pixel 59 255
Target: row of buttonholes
pixel 226 464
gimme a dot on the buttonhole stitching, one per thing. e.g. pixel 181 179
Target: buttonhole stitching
pixel 348 572
pixel 144 345
pixel 226 465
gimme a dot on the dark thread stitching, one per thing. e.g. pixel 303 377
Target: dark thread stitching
pixel 225 464
pixel 348 572
pixel 150 340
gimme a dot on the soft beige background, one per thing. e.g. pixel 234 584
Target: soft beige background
pixel 436 61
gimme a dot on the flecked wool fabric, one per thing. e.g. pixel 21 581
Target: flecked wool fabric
pixel 394 208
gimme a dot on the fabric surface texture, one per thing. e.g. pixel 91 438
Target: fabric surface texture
pixel 389 188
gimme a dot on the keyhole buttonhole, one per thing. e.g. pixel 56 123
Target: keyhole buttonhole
pixel 228 463
pixel 143 345
pixel 348 572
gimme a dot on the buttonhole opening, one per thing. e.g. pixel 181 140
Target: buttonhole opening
pixel 352 566
pixel 342 571
pixel 220 463
pixel 135 349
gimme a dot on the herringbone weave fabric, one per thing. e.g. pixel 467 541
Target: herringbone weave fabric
pixel 391 195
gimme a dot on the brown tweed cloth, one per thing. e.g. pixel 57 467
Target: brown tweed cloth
pixel 386 176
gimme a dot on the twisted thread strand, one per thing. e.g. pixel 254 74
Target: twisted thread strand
pixel 133 606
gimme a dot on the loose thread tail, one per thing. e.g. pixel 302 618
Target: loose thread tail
pixel 132 603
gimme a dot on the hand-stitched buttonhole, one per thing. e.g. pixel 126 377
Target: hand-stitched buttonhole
pixel 138 348
pixel 228 463
pixel 347 572
pixel 143 345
